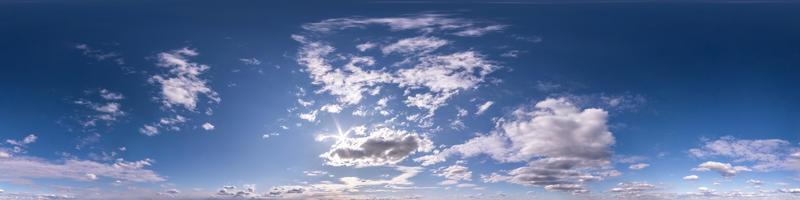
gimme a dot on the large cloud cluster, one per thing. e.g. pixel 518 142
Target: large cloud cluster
pixel 565 146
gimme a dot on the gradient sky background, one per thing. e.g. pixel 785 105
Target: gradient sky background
pixel 600 100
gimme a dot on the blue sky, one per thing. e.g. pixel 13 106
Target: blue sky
pixel 399 100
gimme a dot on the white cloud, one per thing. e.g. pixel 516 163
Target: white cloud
pixel 381 146
pixel 423 22
pixel 91 176
pixel 315 173
pixel 365 46
pixel 305 103
pixel 349 185
pixel 108 95
pixel 633 187
pixel 311 116
pixel 107 110
pixel 83 170
pixel 479 31
pixel 420 44
pixel 483 107
pixel 183 85
pixel 755 182
pixel 25 141
pixel 638 166
pixel 447 73
pixel 791 190
pixel 250 61
pixel 348 83
pixel 149 130
pixel 724 169
pixel 691 178
pixel 767 155
pixel 99 55
pixel 172 123
pixel 331 108
pixel 453 174
pixel 427 101
pixel 427 75
pixel 247 191
pixel 563 145
pixel 208 126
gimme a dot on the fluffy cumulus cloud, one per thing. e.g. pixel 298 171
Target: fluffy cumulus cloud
pixel 381 146
pixel 565 146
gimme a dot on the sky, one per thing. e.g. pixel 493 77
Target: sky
pixel 399 99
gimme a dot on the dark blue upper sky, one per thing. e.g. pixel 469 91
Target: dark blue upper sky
pixel 650 99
